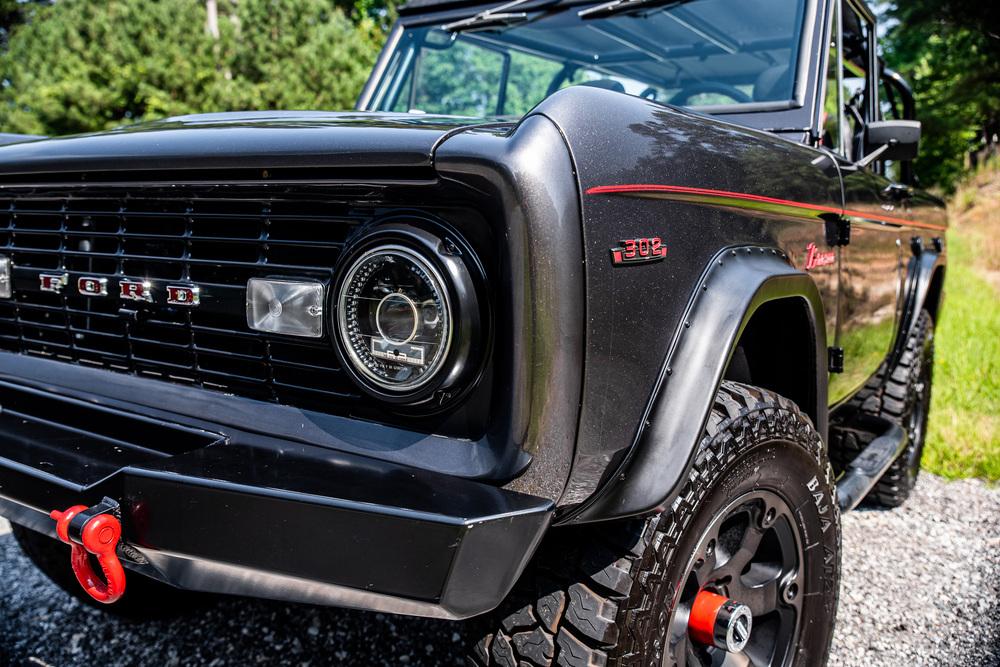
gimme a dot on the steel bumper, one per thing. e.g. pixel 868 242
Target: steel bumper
pixel 272 518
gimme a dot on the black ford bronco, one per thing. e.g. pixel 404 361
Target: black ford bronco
pixel 588 323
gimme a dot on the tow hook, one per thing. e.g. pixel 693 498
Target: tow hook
pixel 717 621
pixel 94 530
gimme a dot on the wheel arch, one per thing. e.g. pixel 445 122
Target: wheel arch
pixel 742 289
pixel 776 351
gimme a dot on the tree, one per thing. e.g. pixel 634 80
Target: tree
pixel 950 51
pixel 297 54
pixel 14 13
pixel 83 66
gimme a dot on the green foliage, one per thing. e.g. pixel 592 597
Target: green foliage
pixel 16 12
pixel 963 438
pixel 950 52
pixel 464 79
pixel 83 66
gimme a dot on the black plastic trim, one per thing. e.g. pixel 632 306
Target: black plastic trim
pixel 919 276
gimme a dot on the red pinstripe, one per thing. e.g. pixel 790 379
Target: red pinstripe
pixel 743 196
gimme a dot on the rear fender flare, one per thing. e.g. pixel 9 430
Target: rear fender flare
pixel 920 276
pixel 733 286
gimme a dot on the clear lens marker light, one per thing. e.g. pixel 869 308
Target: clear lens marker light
pixel 6 284
pixel 288 307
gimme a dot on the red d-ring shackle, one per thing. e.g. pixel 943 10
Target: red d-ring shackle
pixel 99 536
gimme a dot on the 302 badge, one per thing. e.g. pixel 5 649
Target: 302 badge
pixel 638 251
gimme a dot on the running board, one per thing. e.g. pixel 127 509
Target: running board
pixel 868 467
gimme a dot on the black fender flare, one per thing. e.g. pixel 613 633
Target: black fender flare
pixel 733 286
pixel 917 287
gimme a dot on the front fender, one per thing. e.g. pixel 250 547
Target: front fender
pixel 702 186
pixel 734 285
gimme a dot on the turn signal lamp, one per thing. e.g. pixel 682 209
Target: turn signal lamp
pixel 288 307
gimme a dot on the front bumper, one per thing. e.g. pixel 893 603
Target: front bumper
pixel 221 510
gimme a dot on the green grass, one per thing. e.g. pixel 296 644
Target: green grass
pixel 963 438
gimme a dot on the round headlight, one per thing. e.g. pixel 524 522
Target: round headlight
pixel 395 318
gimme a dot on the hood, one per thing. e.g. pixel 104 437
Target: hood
pixel 259 139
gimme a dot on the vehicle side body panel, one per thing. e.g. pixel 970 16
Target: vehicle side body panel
pixel 871 278
pixel 702 186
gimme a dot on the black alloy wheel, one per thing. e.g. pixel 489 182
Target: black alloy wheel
pixel 751 553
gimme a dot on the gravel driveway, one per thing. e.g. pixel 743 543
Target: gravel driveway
pixel 921 587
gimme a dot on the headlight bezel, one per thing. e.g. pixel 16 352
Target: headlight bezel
pixel 452 263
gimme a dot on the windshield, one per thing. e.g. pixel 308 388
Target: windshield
pixel 717 55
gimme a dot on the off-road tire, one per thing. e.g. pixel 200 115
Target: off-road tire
pixel 902 396
pixel 143 598
pixel 603 594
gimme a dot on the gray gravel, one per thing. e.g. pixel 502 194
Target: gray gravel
pixel 921 587
pixel 921 583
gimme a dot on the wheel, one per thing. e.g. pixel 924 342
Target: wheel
pixel 902 396
pixel 756 522
pixel 143 598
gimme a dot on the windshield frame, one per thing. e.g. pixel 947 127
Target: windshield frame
pixel 787 116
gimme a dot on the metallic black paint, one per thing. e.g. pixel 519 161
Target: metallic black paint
pixel 635 313
pixel 8 138
pixel 262 139
pixel 527 183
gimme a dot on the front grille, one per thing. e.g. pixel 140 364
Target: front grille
pixel 216 242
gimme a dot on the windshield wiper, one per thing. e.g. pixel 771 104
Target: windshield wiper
pixel 625 6
pixel 490 18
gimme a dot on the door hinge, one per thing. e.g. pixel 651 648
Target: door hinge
pixel 836 359
pixel 838 231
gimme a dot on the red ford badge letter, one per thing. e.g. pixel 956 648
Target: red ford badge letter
pixel 136 290
pixel 182 295
pixel 92 286
pixel 48 282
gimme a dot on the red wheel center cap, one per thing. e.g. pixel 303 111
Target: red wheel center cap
pixel 717 621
